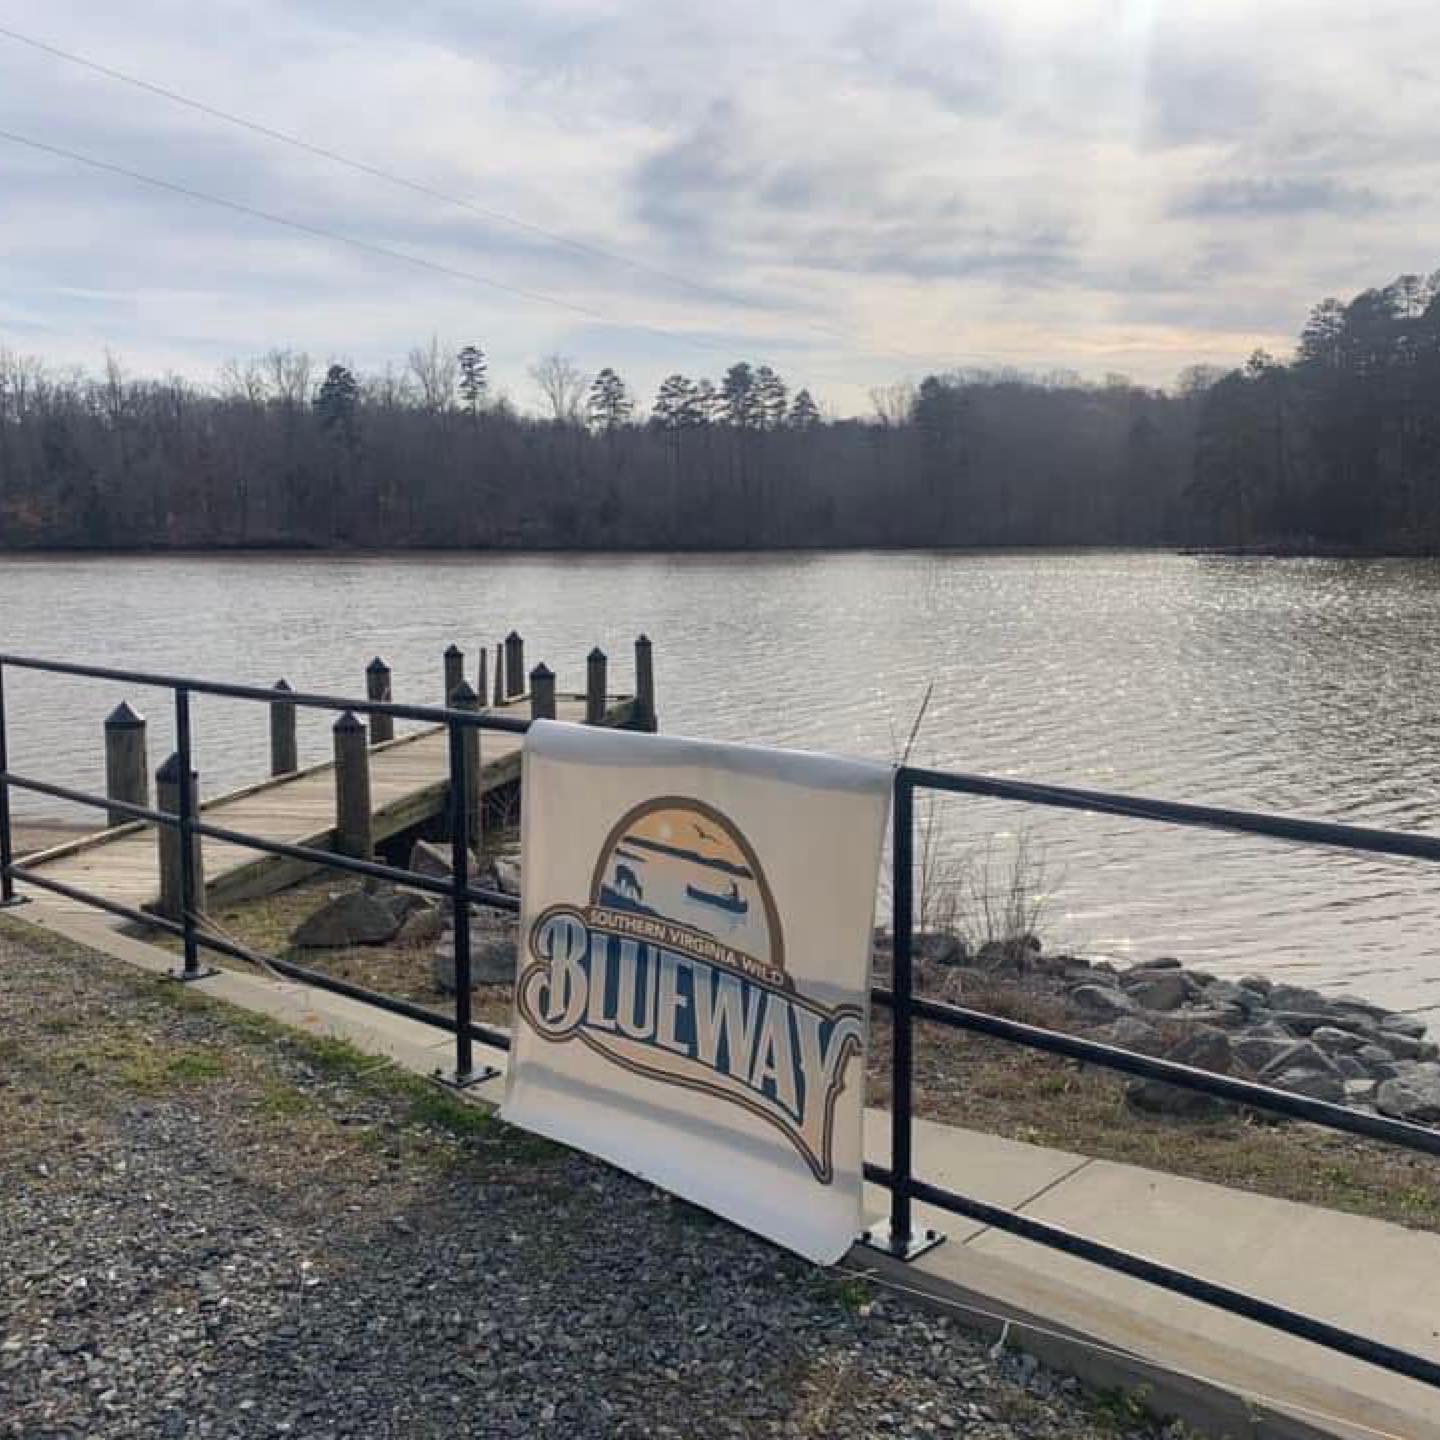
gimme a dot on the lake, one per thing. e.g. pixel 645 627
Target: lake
pixel 1294 685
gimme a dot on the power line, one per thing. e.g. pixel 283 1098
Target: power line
pixel 365 168
pixel 417 187
pixel 367 246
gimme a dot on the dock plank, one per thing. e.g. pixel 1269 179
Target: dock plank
pixel 409 783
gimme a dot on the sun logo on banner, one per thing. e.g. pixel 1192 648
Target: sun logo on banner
pixel 674 968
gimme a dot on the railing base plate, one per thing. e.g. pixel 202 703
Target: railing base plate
pixel 907 1248
pixel 478 1076
pixel 186 977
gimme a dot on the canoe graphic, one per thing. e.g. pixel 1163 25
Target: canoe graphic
pixel 731 901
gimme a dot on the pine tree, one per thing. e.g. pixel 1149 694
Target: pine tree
pixel 804 412
pixel 609 407
pixel 336 398
pixel 770 398
pixel 675 404
pixel 739 397
pixel 473 380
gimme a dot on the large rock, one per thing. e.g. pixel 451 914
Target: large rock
pixel 493 951
pixel 1102 1002
pixel 1255 1052
pixel 1163 990
pixel 939 947
pixel 1221 1017
pixel 1404 1025
pixel 1259 984
pixel 1414 1096
pixel 431 860
pixel 1334 1041
pixel 1378 1061
pixel 354 918
pixel 1403 1047
pixel 1130 1032
pixel 1164 962
pixel 1316 1084
pixel 1301 1056
pixel 1360 1092
pixel 1202 1049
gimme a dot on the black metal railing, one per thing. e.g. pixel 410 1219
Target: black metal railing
pixel 187 819
pixel 898 1235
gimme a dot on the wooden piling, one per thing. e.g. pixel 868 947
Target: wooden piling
pixel 127 773
pixel 167 798
pixel 284 753
pixel 354 833
pixel 542 692
pixel 595 667
pixel 454 671
pixel 465 698
pixel 378 687
pixel 499 673
pixel 514 665
pixel 482 679
pixel 645 683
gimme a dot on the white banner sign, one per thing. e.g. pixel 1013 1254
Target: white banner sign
pixel 692 1000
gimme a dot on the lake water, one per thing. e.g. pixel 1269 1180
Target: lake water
pixel 1307 686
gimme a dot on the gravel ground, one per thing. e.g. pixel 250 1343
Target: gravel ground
pixel 210 1227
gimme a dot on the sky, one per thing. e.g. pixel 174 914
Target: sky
pixel 856 193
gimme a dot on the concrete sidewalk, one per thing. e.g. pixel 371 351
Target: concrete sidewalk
pixel 1368 1276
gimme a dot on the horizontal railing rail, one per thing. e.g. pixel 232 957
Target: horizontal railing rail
pixel 899 1237
pixel 188 819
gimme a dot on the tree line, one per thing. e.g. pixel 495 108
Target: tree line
pixel 1336 447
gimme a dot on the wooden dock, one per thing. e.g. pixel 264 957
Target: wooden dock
pixel 409 784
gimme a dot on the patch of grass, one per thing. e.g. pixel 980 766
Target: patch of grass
pixel 1123 1411
pixel 283 1101
pixel 139 1066
pixel 850 1292
pixel 337 1058
pixel 198 1065
pixel 439 1110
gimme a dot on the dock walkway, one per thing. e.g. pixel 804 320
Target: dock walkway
pixel 409 784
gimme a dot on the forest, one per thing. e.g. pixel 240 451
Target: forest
pixel 1334 449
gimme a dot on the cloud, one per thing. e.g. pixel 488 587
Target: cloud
pixel 1276 197
pixel 863 190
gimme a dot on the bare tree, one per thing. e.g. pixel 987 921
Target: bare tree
pixel 288 372
pixel 562 385
pixel 893 403
pixel 243 380
pixel 433 368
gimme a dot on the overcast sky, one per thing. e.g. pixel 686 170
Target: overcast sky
pixel 852 192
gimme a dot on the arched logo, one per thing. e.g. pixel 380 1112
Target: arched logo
pixel 674 967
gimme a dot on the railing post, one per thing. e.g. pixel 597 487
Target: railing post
pixel 454 671
pixel 182 866
pixel 354 834
pixel 461 780
pixel 499 673
pixel 514 664
pixel 8 897
pixel 645 683
pixel 377 687
pixel 897 1236
pixel 127 772
pixel 284 753
pixel 595 686
pixel 482 678
pixel 465 698
pixel 542 692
